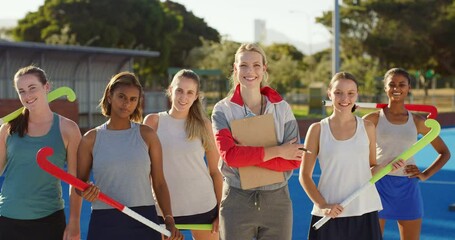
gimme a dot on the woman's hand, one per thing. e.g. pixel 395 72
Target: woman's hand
pixel 395 166
pixel 332 210
pixel 414 172
pixel 398 165
pixel 72 231
pixel 292 151
pixel 170 225
pixel 91 193
pixel 215 225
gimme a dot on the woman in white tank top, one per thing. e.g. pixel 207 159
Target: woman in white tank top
pixel 345 146
pixel 396 131
pixel 186 137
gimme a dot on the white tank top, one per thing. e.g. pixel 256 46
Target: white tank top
pixel 345 167
pixel 187 176
pixel 394 139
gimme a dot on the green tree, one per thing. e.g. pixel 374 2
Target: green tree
pixel 285 68
pixel 410 34
pixel 318 67
pixel 194 29
pixel 213 55
pixel 129 24
pixel 278 50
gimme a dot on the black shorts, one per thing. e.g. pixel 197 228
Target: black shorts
pixel 47 228
pixel 201 218
pixel 114 225
pixel 364 227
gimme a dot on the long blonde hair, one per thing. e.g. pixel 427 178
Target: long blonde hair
pixel 248 47
pixel 195 122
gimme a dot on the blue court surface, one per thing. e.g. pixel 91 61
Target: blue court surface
pixel 438 194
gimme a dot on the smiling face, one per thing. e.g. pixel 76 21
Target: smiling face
pixel 183 93
pixel 32 92
pixel 249 69
pixel 397 87
pixel 343 93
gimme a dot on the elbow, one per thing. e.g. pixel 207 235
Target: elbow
pixel 215 174
pixel 303 179
pixel 447 156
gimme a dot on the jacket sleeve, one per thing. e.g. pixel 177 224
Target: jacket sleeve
pixel 233 154
pixel 291 131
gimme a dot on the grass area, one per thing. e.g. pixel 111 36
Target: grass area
pixel 302 112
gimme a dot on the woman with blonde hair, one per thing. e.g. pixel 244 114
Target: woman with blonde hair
pixel 263 212
pixel 186 137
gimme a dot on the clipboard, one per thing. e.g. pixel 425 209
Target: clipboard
pixel 256 131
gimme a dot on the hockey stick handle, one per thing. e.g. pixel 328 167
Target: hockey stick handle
pixel 187 226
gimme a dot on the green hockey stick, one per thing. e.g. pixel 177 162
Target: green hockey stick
pixel 416 147
pixel 59 92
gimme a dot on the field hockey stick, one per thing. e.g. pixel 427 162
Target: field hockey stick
pixel 41 159
pixel 59 92
pixel 432 110
pixel 192 226
pixel 416 147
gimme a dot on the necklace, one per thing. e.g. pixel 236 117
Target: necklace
pixel 262 105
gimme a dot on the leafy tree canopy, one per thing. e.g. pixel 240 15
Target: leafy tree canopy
pixel 130 24
pixel 410 34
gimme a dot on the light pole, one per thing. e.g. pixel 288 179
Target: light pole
pixel 336 38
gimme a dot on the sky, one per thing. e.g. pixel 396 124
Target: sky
pixel 292 20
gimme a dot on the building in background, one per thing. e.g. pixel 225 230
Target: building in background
pixel 86 70
pixel 260 31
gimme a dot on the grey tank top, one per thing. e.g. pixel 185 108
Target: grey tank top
pixel 121 167
pixel 394 139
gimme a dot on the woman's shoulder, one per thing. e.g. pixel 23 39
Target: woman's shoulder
pixel 369 125
pixel 67 123
pixel 147 132
pixel 419 122
pixel 372 117
pixel 88 140
pixel 418 118
pixel 4 129
pixel 222 103
pixel 90 134
pixel 207 122
pixel 316 126
pixel 151 120
pixel 69 128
